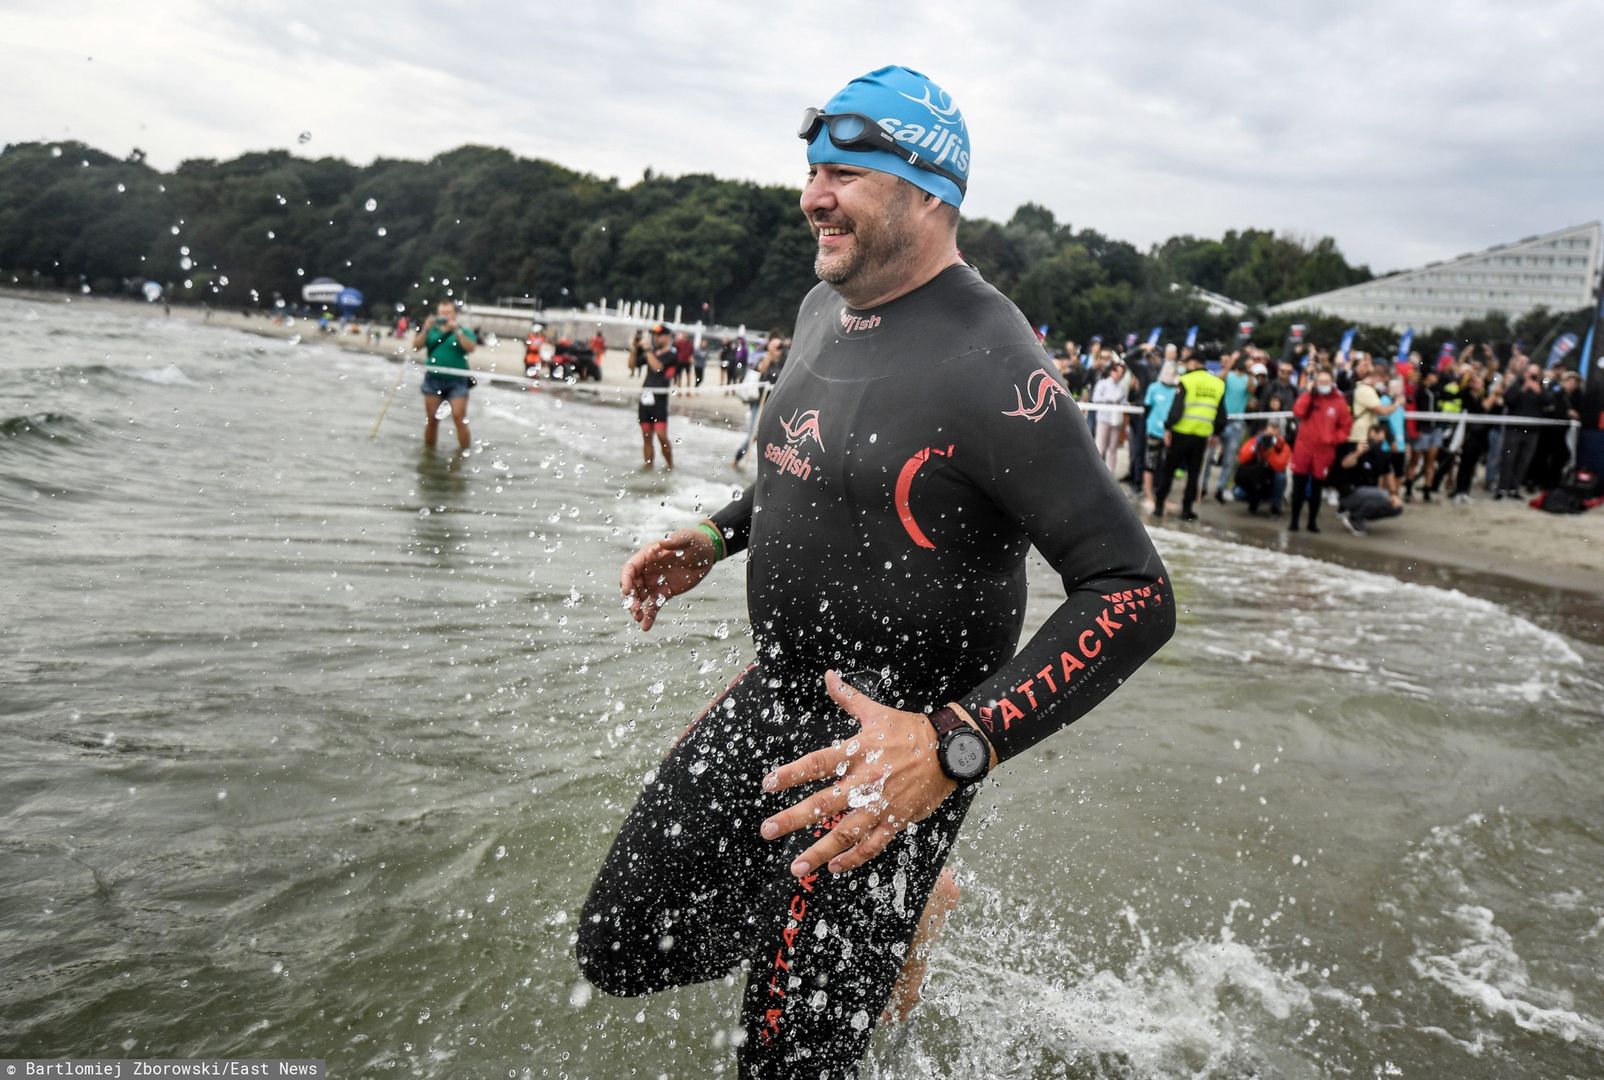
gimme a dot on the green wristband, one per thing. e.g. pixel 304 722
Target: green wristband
pixel 718 539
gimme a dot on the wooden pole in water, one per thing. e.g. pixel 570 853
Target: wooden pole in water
pixel 374 434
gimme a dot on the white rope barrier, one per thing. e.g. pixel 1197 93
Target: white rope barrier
pixel 1446 418
pixel 592 387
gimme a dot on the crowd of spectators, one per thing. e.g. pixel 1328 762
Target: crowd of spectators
pixel 1316 427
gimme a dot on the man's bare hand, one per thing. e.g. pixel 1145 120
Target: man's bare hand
pixel 886 777
pixel 664 569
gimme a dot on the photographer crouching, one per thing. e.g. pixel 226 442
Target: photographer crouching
pixel 1367 484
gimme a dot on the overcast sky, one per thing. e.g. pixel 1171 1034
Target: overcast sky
pixel 1409 131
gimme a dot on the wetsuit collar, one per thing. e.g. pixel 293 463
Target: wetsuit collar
pixel 881 309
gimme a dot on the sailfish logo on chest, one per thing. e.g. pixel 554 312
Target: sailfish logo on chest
pixel 801 427
pixel 792 457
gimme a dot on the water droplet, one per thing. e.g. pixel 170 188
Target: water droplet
pixel 579 996
pixel 174 230
pixel 371 205
pixel 121 188
pixel 304 137
pixel 383 231
pixel 55 151
pixel 270 235
pixel 185 263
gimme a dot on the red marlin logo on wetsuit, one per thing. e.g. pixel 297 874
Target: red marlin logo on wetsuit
pixel 798 430
pixel 1044 392
pixel 910 469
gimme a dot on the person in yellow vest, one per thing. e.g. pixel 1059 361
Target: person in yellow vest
pixel 1195 417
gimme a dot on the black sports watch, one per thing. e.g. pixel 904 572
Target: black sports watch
pixel 963 752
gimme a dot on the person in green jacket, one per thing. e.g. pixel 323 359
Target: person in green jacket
pixel 447 346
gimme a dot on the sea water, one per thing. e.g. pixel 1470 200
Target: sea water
pixel 313 744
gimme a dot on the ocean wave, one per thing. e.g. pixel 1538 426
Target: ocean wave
pixel 1486 970
pixel 171 375
pixel 1203 1007
pixel 45 426
pixel 1345 620
pixel 1465 887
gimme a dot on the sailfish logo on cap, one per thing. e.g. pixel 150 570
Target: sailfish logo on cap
pixel 946 112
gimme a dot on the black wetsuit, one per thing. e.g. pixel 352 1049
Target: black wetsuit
pixel 653 409
pixel 909 458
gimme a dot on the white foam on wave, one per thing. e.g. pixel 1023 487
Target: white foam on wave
pixel 1455 877
pixel 1200 1009
pixel 1423 641
pixel 1487 971
pixel 171 375
pixel 1354 585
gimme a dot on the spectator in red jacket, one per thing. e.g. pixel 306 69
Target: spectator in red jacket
pixel 1324 421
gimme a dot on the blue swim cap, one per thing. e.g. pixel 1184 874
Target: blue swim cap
pixel 914 110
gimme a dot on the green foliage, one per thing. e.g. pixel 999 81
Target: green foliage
pixel 482 222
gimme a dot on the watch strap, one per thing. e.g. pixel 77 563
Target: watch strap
pixel 946 719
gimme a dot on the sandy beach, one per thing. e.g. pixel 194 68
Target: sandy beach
pixel 1486 548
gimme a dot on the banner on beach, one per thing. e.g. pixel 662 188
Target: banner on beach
pixel 1130 342
pixel 1244 334
pixel 1562 348
pixel 1404 344
pixel 1294 341
pixel 1191 336
pixel 1152 335
pixel 1347 342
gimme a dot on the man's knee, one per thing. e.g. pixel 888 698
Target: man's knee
pixel 604 962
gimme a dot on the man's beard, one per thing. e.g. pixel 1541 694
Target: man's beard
pixel 877 247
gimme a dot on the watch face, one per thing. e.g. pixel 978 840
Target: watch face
pixel 966 754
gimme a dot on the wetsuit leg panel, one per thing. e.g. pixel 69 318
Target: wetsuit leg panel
pixel 671 903
pixel 832 949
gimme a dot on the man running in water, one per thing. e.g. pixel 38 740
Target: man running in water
pixel 915 448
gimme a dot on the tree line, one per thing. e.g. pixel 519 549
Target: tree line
pixel 482 223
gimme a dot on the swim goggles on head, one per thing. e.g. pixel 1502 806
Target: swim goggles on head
pixel 854 131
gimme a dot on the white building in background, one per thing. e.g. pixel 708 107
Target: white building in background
pixel 1557 270
pixel 1213 301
